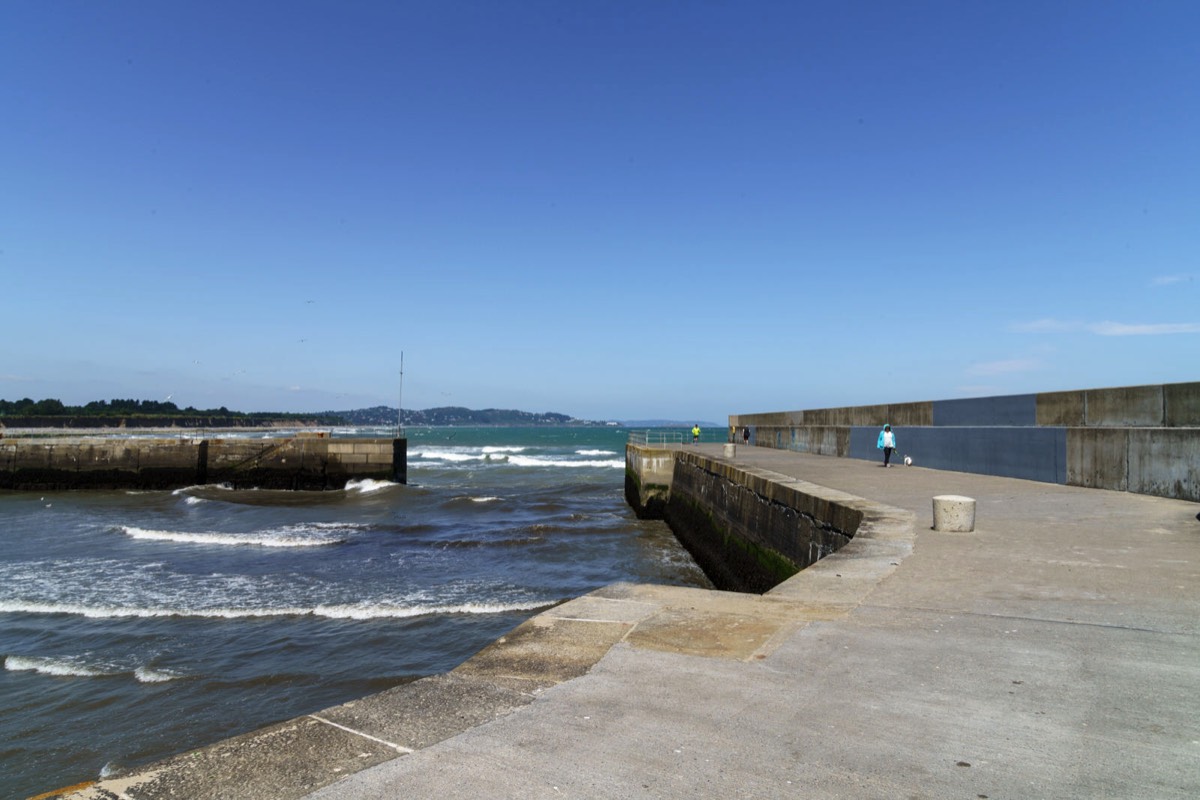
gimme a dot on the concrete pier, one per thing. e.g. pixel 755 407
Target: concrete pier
pixel 1140 439
pixel 305 461
pixel 1055 652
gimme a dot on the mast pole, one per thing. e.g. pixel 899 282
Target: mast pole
pixel 400 402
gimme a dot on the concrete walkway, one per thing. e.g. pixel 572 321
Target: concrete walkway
pixel 1054 652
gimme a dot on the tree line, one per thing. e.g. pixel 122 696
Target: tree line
pixel 50 407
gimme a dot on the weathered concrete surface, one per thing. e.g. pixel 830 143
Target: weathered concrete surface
pixel 648 471
pixel 953 513
pixel 1098 458
pixel 1054 652
pixel 1125 407
pixel 1164 462
pixel 1063 409
pixel 1182 401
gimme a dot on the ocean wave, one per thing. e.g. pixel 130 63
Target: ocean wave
pixel 454 456
pixel 281 538
pixel 533 461
pixel 515 457
pixel 385 611
pixel 513 541
pixel 184 490
pixel 150 675
pixel 61 667
pixel 466 498
pixel 369 485
pixel 464 454
pixel 71 667
pixel 355 612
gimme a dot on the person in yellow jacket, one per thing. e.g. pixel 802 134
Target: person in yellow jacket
pixel 695 434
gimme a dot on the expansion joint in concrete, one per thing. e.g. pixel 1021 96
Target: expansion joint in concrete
pixel 397 747
pixel 1040 620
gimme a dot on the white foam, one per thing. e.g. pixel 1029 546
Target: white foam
pixel 454 456
pixel 118 612
pixel 518 456
pixel 369 485
pixel 265 539
pixel 533 461
pixel 63 667
pixel 390 611
pixel 484 499
pixel 357 612
pixel 148 675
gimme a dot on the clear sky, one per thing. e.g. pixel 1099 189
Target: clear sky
pixel 602 208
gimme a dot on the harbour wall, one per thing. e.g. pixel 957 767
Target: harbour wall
pixel 749 530
pixel 311 461
pixel 1141 439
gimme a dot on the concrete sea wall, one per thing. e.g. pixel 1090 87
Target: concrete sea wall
pixel 749 531
pixel 307 461
pixel 1142 439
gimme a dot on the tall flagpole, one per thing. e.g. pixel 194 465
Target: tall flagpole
pixel 400 402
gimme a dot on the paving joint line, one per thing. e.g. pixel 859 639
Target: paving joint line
pixel 1017 618
pixel 397 747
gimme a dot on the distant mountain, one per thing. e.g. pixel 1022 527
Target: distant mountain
pixel 668 423
pixel 454 415
pixel 457 415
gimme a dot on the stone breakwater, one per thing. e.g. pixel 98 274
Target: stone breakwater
pixel 311 461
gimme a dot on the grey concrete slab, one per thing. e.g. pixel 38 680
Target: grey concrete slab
pixel 421 713
pixel 274 763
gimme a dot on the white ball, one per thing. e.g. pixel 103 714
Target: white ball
pixel 907 461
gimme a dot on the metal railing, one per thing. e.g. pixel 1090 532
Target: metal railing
pixel 658 438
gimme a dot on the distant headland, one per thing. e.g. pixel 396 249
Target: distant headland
pixel 455 415
pixel 51 413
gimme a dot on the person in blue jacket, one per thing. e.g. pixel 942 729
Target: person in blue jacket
pixel 886 443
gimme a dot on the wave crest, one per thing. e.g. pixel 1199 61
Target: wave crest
pixel 369 485
pixel 293 537
pixel 61 667
pixel 69 667
pixel 379 611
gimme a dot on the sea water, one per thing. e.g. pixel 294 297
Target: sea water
pixel 135 625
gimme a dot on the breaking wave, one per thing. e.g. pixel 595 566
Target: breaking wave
pixel 305 535
pixel 68 667
pixel 357 612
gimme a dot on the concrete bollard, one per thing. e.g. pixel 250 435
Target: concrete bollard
pixel 954 513
pixel 730 450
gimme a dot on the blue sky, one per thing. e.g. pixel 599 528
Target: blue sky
pixel 606 209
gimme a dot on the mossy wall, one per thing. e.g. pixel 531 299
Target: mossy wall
pixel 747 531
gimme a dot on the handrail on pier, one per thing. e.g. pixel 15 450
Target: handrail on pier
pixel 656 437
